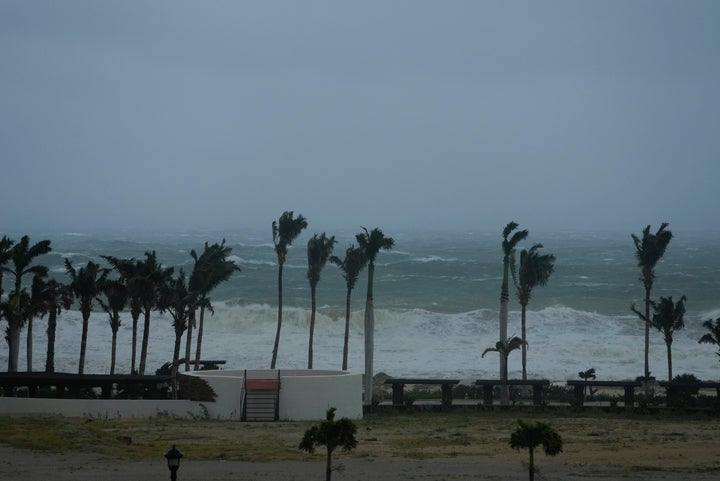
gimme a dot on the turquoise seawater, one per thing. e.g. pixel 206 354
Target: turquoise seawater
pixel 436 298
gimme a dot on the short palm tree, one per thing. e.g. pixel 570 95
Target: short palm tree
pixel 284 231
pixel 504 349
pixel 667 318
pixel 508 248
pixel 530 436
pixel 713 334
pixel 53 297
pixel 351 266
pixel 21 259
pixel 371 243
pixel 115 295
pixel 649 249
pixel 319 249
pixel 211 269
pixel 85 284
pixel 174 297
pixel 534 270
pixel 331 434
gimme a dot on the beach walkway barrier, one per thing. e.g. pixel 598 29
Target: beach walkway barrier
pixel 628 387
pixel 676 391
pixel 398 388
pixel 207 364
pixel 488 386
pixel 67 383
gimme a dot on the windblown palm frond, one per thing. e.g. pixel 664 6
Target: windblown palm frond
pixel 504 349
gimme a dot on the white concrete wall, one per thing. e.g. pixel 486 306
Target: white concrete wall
pixel 308 396
pixel 304 395
pixel 228 387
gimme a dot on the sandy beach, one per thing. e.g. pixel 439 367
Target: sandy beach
pixel 423 446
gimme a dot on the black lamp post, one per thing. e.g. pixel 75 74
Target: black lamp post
pixel 173 459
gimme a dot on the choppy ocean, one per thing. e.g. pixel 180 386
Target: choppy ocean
pixel 436 298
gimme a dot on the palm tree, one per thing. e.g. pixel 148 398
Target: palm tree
pixel 530 436
pixel 174 297
pixel 22 256
pixel 16 311
pixel 648 251
pixel 351 266
pixel 85 284
pixel 151 276
pixel 331 434
pixel 504 349
pixel 5 255
pixel 53 297
pixel 211 269
pixel 285 230
pixel 130 270
pixel 116 295
pixel 535 270
pixel 35 309
pixel 319 249
pixel 370 243
pixel 712 337
pixel 508 247
pixel 668 318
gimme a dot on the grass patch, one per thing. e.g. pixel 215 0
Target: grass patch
pixel 465 436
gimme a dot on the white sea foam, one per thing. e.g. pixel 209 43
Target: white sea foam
pixel 408 342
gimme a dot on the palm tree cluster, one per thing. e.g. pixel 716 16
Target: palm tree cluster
pixel 143 285
pixel 319 251
pixel 534 270
pixel 668 315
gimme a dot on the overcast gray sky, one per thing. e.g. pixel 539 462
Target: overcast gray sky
pixel 451 114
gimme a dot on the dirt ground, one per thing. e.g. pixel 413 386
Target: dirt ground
pixel 419 446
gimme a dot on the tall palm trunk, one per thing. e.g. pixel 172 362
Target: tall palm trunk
pixel 524 342
pixel 647 341
pixel 29 344
pixel 113 354
pixel 146 336
pixel 188 341
pixel 83 342
pixel 14 337
pixel 347 330
pixel 279 324
pixel 504 301
pixel 313 306
pixel 135 319
pixel 198 348
pixel 176 362
pixel 369 336
pixel 51 328
pixel 668 343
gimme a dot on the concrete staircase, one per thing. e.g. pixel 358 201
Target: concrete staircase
pixel 261 399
